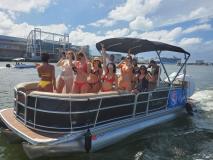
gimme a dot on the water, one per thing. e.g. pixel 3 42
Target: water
pixel 186 138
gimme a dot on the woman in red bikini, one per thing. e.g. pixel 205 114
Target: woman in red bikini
pixel 126 77
pixel 110 78
pixel 82 69
pixel 94 78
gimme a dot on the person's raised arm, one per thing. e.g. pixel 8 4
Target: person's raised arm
pixel 104 59
pixel 129 52
pixel 60 62
pixel 120 64
pixel 85 55
pixel 103 51
pixel 89 67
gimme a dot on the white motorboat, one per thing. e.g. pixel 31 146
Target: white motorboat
pixel 19 63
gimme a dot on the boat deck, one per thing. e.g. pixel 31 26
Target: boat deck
pixel 17 127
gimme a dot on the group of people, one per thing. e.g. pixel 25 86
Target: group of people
pixel 80 75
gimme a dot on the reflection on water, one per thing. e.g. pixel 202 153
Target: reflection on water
pixel 186 138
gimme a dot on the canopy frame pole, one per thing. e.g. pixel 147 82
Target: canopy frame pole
pixel 184 64
pixel 158 53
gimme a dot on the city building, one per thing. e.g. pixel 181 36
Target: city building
pixel 12 47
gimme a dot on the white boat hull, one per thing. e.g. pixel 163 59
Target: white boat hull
pixel 104 136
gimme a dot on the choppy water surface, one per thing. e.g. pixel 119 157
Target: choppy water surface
pixel 186 138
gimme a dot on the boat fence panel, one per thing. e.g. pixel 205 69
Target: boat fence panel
pixel 83 120
pixel 53 105
pixel 20 97
pixel 30 116
pixel 31 101
pixel 158 100
pixel 84 113
pixel 160 94
pixel 116 108
pixel 115 114
pixel 53 120
pixel 20 111
pixel 84 106
pixel 117 100
pixel 141 103
pixel 142 97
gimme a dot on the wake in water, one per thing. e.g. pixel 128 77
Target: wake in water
pixel 204 104
pixel 204 99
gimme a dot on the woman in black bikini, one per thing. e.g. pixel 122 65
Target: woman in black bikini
pixel 142 83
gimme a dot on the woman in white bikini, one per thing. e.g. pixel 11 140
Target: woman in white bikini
pixel 67 75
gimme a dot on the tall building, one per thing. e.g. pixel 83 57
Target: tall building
pixel 12 47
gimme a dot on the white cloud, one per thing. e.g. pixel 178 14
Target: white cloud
pixel 198 13
pixel 103 22
pixel 167 36
pixel 173 12
pixel 128 12
pixel 24 5
pixel 204 27
pixel 5 20
pixel 118 33
pixel 133 8
pixel 189 41
pixel 10 28
pixel 79 37
pixel 141 23
pixel 155 13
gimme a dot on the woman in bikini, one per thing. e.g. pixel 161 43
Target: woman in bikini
pixel 94 78
pixel 126 77
pixel 66 77
pixel 110 78
pixel 82 69
pixel 46 72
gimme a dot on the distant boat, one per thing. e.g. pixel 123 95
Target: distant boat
pixel 173 60
pixel 19 64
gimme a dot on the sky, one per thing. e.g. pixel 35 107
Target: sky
pixel 185 23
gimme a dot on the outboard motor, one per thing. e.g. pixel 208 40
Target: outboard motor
pixel 8 65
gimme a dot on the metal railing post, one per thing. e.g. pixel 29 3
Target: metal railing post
pixel 135 104
pixel 70 114
pixel 147 106
pixel 96 118
pixel 35 113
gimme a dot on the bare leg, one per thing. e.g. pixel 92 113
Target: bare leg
pixel 60 85
pixel 68 85
pixel 75 88
pixel 84 88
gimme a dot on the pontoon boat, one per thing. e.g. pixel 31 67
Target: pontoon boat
pixel 51 123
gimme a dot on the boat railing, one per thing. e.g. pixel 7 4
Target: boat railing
pixel 55 113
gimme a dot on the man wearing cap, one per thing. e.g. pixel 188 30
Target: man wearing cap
pixel 153 74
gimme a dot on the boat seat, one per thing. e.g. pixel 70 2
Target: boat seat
pixel 27 87
pixel 79 96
